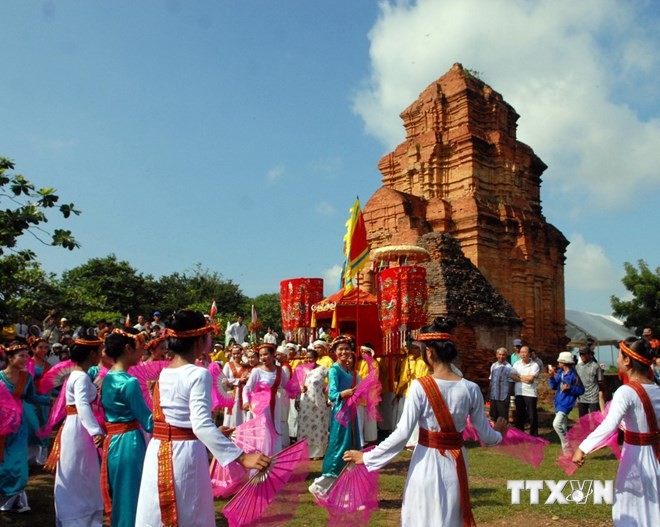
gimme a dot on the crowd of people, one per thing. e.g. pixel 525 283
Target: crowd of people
pixel 154 467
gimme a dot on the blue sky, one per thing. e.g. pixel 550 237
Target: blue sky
pixel 237 134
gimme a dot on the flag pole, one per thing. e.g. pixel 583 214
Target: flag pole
pixel 357 315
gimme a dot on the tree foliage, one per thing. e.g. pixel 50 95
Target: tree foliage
pixel 23 284
pixel 268 311
pixel 23 210
pixel 644 308
pixel 196 289
pixel 106 285
pixel 26 290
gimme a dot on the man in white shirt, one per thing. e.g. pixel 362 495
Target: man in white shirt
pixel 524 373
pixel 237 331
pixel 270 337
pixel 140 323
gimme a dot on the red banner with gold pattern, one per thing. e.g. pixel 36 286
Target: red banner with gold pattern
pixel 296 298
pixel 402 297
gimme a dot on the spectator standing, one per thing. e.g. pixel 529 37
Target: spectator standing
pixel 141 321
pixel 21 330
pixel 237 331
pixel 647 335
pixel 525 372
pixel 500 386
pixel 157 321
pixel 270 337
pixel 515 356
pixel 591 376
pixel 568 386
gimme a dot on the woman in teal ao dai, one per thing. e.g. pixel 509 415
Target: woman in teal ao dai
pixel 14 466
pixel 123 403
pixel 342 381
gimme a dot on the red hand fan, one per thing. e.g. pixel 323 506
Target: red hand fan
pixel 278 483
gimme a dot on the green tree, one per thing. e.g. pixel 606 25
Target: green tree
pixel 26 212
pixel 26 291
pixel 268 311
pixel 24 287
pixel 644 308
pixel 196 289
pixel 104 287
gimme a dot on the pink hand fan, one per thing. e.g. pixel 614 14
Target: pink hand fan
pixel 369 389
pixel 373 392
pixel 56 415
pixel 254 435
pixel 221 398
pixel 30 366
pixel 11 411
pixel 516 443
pixel 353 496
pixel 56 376
pixel 259 398
pixel 147 373
pixel 280 485
pixel 98 380
pixel 523 447
pixel 225 481
pixel 579 432
pixel 297 381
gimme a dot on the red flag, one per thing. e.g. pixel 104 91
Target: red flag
pixel 128 321
pixel 214 309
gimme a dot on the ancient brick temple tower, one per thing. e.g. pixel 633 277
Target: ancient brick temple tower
pixel 462 171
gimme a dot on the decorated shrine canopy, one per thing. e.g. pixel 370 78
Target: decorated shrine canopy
pixel 297 295
pixel 354 313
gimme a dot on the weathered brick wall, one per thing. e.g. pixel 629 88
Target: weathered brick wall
pixel 461 170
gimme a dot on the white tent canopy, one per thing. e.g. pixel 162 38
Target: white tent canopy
pixel 604 329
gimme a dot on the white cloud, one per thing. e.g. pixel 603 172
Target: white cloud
pixel 587 267
pixel 275 173
pixel 574 71
pixel 331 278
pixel 325 208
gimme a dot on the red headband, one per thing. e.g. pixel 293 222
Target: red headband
pixel 435 336
pixel 81 342
pixel 153 344
pixel 633 355
pixel 191 332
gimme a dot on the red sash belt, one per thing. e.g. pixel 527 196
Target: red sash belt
pixel 440 440
pixel 112 429
pixel 641 439
pixel 447 440
pixel 652 437
pixel 166 433
pixel 54 456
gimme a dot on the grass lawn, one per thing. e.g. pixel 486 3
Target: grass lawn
pixel 491 500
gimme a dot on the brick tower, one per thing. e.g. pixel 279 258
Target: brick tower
pixel 461 171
